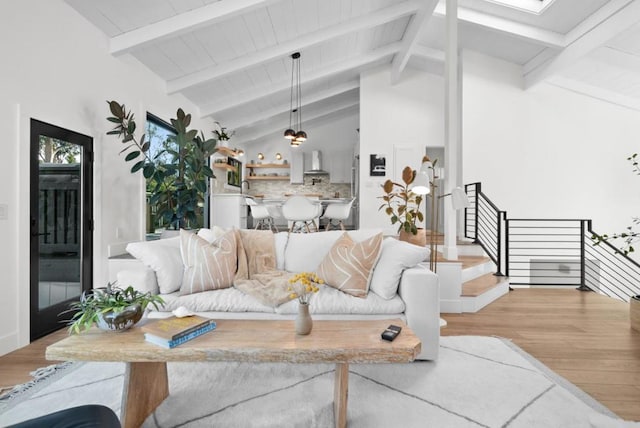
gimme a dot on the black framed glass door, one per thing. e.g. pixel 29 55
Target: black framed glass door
pixel 61 223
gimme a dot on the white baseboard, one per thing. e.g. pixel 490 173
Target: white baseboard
pixel 8 343
pixel 450 306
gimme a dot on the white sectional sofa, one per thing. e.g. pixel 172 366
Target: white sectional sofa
pixel 400 287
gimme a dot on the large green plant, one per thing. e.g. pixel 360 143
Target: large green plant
pixel 401 204
pixel 177 175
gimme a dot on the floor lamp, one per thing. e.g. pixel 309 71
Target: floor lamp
pixel 425 183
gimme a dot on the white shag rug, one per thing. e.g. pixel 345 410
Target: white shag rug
pixel 477 382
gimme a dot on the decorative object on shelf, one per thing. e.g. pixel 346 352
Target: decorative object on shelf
pixel 403 206
pixel 278 156
pixel 295 110
pixel 175 186
pixel 425 183
pixel 110 308
pixel 221 133
pixel 302 285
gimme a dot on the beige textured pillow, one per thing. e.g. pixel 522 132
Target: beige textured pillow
pixel 207 266
pixel 349 264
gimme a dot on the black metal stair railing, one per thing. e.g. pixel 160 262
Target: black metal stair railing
pixel 484 224
pixel 549 252
pixel 607 270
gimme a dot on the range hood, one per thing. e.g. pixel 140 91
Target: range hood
pixel 316 164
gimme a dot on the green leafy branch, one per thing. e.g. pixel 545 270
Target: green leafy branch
pixel 630 236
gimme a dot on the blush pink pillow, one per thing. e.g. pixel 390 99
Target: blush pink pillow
pixel 348 265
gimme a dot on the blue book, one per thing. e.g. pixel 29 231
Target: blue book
pixel 166 343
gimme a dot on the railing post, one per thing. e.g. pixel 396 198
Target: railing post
pixel 583 285
pixel 506 245
pixel 475 222
pixel 498 215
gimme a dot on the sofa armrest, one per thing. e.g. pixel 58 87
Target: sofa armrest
pixel 420 290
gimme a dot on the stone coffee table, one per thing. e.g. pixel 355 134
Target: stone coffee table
pixel 146 384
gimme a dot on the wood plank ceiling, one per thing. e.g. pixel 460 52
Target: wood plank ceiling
pixel 232 57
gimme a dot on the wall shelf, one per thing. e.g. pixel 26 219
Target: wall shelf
pixel 220 165
pixel 267 165
pixel 267 177
pixel 226 151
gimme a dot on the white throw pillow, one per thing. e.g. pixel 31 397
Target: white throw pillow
pixel 395 257
pixel 163 256
pixel 211 234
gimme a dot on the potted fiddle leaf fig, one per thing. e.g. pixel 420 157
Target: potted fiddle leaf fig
pixel 177 175
pixel 403 207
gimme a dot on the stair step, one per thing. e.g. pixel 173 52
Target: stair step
pixel 480 285
pixel 467 261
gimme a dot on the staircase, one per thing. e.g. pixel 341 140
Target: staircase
pixel 468 284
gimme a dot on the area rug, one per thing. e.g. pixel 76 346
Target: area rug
pixel 477 382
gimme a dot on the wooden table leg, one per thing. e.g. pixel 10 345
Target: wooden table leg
pixel 145 386
pixel 340 394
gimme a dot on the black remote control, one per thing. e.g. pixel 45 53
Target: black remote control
pixel 391 333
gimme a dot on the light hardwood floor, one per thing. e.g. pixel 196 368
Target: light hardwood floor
pixel 582 336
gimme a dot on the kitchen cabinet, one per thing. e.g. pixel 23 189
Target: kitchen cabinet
pixel 297 167
pixel 229 210
pixel 339 167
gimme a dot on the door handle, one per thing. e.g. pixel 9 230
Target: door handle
pixel 40 234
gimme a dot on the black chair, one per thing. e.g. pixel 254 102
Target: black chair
pixel 87 416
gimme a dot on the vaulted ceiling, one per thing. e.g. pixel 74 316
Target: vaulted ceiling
pixel 232 57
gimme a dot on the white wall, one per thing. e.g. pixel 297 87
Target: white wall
pixel 56 68
pixel 547 152
pixel 404 118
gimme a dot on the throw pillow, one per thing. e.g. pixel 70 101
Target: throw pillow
pixel 211 234
pixel 349 264
pixel 207 266
pixel 395 257
pixel 163 257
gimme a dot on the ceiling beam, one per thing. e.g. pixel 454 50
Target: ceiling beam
pixel 268 90
pixel 617 58
pixel 599 30
pixel 410 39
pixel 428 53
pixel 245 121
pixel 327 118
pixel 522 31
pixel 595 92
pixel 181 24
pixel 280 127
pixel 284 49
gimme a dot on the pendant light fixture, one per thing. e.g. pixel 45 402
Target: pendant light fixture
pixel 295 105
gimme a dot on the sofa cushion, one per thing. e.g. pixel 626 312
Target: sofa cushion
pixel 332 301
pixel 395 257
pixel 348 265
pixel 305 251
pixel 224 300
pixel 208 266
pixel 163 257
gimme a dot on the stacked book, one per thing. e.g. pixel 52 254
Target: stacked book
pixel 173 331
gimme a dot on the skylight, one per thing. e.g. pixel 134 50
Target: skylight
pixel 530 6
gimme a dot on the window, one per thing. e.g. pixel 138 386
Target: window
pixel 531 6
pixel 163 151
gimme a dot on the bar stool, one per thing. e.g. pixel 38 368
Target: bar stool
pixel 302 213
pixel 337 211
pixel 261 213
